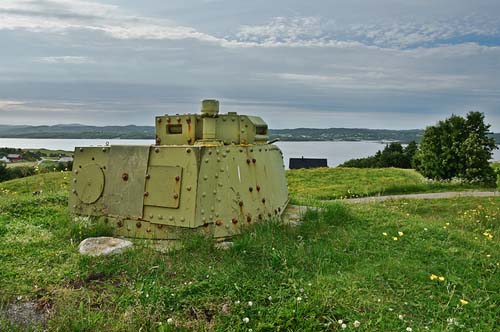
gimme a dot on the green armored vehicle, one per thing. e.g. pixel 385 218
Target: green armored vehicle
pixel 211 172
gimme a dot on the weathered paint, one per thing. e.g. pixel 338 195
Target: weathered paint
pixel 216 179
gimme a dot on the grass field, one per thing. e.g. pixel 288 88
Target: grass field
pixel 393 266
pixel 22 164
pixel 311 185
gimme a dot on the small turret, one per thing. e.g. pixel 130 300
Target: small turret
pixel 210 127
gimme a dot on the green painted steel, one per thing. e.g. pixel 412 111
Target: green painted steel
pixel 209 172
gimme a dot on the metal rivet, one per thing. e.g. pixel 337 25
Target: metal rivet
pixel 170 218
pixel 264 200
pixel 157 150
pixel 146 194
pixel 253 160
pixel 248 161
pixel 249 218
pixel 188 188
pixel 188 150
pixel 218 222
pixel 177 178
pixel 258 188
pixel 148 177
pixel 250 189
pixel 138 224
pixel 234 221
pixel 241 203
pixel 81 149
pixel 176 196
pixel 119 223
pixel 148 230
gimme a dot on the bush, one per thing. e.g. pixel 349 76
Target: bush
pixel 393 155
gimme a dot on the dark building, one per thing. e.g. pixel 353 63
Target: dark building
pixel 307 163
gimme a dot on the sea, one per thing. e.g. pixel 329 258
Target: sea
pixel 335 152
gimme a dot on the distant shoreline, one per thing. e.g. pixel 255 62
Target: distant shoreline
pixel 148 132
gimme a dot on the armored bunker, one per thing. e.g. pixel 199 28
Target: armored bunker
pixel 209 172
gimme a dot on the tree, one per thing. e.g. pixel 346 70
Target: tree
pixel 457 148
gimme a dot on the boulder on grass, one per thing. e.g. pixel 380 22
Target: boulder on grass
pixel 99 246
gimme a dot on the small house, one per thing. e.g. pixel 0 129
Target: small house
pixel 296 163
pixel 15 157
pixel 4 160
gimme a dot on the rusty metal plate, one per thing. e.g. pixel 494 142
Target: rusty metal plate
pixel 89 183
pixel 163 186
pixel 126 172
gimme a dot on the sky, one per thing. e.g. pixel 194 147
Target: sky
pixel 394 64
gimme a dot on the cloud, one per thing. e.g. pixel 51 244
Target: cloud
pixel 396 33
pixel 5 104
pixel 74 60
pixel 60 16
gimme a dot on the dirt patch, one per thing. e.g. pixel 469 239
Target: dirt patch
pixel 26 314
pixel 91 278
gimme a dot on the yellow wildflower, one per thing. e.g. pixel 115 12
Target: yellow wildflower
pixel 394 238
pixel 434 277
pixel 463 302
pixel 384 234
pixel 441 278
pixel 400 233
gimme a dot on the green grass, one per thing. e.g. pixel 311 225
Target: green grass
pixel 337 265
pixel 308 185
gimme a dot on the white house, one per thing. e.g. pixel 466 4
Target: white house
pixel 4 160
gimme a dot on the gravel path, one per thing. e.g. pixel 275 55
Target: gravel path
pixel 423 196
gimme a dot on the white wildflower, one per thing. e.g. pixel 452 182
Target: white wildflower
pixel 246 320
pixel 250 303
pixel 356 323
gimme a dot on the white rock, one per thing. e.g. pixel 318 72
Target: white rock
pixel 98 246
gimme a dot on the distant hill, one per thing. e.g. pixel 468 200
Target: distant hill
pixel 76 131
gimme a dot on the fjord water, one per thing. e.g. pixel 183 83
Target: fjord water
pixel 335 152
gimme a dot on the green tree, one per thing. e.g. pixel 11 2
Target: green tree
pixel 457 148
